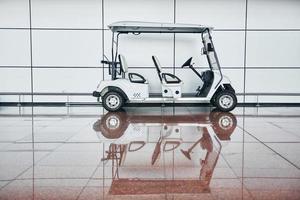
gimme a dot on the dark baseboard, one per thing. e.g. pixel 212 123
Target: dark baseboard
pixel 61 104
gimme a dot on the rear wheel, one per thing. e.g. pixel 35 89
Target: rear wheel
pixel 112 101
pixel 225 101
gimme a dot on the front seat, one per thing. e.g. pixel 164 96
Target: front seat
pixel 133 77
pixel 208 79
pixel 164 77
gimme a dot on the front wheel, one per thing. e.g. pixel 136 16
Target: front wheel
pixel 225 101
pixel 112 101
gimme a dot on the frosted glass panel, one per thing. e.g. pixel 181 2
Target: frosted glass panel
pixel 14 13
pixel 273 81
pixel 138 10
pixel 67 48
pixel 66 80
pixel 14 48
pixel 273 49
pixel 216 13
pixel 66 14
pixel 274 14
pixel 14 80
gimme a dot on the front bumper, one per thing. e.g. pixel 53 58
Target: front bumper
pixel 96 94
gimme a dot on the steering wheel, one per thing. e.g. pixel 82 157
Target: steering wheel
pixel 187 63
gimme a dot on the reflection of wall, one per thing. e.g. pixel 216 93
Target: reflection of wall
pixel 67 60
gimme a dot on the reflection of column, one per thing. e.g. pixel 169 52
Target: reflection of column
pixel 210 162
pixel 208 166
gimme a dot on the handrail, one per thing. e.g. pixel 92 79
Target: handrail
pixel 48 93
pixel 268 94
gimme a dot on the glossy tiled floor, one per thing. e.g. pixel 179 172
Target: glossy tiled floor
pixel 150 153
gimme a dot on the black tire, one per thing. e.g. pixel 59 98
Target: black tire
pixel 112 101
pixel 225 100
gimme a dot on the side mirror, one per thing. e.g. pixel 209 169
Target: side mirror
pixel 210 47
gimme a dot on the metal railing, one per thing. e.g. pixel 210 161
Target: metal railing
pixel 22 94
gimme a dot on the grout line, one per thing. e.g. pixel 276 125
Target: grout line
pixel 283 129
pixel 88 178
pixel 145 67
pixel 54 29
pixel 32 89
pixel 263 143
pixel 97 116
pixel 103 39
pixel 90 142
pixel 245 50
pixel 244 98
pixel 106 29
pixel 174 37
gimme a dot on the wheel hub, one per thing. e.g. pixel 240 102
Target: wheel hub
pixel 225 122
pixel 226 101
pixel 113 101
pixel 112 122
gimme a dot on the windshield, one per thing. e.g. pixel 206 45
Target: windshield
pixel 210 51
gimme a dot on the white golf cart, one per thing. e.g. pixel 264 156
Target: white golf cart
pixel 126 87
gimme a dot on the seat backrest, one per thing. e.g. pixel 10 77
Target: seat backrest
pixel 208 76
pixel 208 79
pixel 157 66
pixel 123 63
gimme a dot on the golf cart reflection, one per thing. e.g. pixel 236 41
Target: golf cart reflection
pixel 163 154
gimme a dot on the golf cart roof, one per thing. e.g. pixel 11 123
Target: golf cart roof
pixel 154 27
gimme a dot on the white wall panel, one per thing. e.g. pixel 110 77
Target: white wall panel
pixel 66 14
pixel 272 80
pixel 14 80
pixel 216 13
pixel 138 49
pixel 67 48
pixel 229 47
pixel 66 80
pixel 273 14
pixel 271 49
pixel 138 10
pixel 14 13
pixel 14 47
